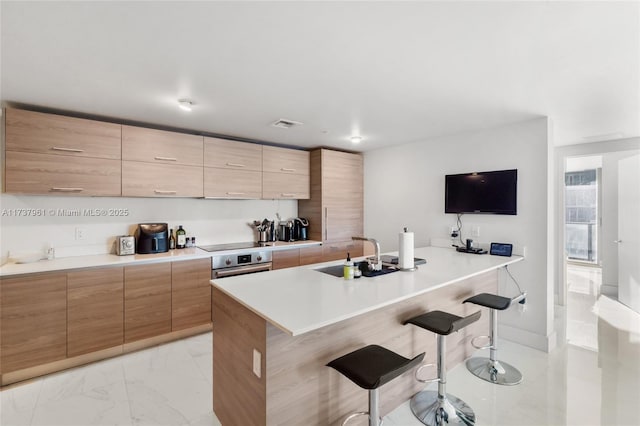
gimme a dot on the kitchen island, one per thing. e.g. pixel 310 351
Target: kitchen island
pixel 274 332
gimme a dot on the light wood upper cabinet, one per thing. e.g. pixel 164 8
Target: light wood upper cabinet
pixel 147 301
pixel 95 310
pixel 33 320
pixel 285 160
pixel 33 173
pixel 161 147
pixel 227 154
pixel 29 131
pixel 285 173
pixel 190 293
pixel 335 209
pixel 232 169
pixel 161 180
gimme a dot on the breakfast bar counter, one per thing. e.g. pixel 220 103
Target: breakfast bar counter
pixel 274 332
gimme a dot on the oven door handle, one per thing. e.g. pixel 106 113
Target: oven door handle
pixel 221 273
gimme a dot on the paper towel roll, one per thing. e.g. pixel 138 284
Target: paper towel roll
pixel 405 252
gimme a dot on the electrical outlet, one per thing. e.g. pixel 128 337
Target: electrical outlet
pixel 475 231
pixel 257 363
pixel 81 233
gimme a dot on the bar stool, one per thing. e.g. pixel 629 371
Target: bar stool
pixel 371 367
pixel 440 408
pixel 490 369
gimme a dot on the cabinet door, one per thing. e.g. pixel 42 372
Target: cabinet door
pixel 226 183
pixel 32 173
pixel 226 154
pixel 161 147
pixel 284 160
pixel 284 186
pixel 95 310
pixel 147 301
pixel 339 250
pixel 29 131
pixel 190 293
pixel 310 255
pixel 342 193
pixel 161 180
pixel 285 258
pixel 33 320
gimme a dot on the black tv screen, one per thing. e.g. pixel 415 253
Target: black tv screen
pixel 482 192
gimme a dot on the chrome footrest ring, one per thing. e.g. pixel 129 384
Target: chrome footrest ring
pixel 425 380
pixel 473 342
pixel 358 414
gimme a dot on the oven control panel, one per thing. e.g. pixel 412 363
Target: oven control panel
pixel 231 260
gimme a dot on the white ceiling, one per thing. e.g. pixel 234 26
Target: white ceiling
pixel 395 72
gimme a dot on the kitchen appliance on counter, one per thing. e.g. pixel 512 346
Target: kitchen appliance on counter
pixel 285 230
pixel 125 245
pixel 232 264
pixel 300 229
pixel 152 238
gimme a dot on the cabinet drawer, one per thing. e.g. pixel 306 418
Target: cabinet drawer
pixel 225 183
pixel 284 160
pixel 310 255
pixel 285 258
pixel 33 320
pixel 31 173
pixel 95 310
pixel 161 180
pixel 227 154
pixel 281 185
pixel 161 147
pixel 30 131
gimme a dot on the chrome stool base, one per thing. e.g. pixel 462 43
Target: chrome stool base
pixel 434 411
pixel 498 372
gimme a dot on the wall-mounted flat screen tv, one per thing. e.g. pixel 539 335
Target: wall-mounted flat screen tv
pixel 482 192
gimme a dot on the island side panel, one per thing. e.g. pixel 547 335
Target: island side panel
pixel 302 390
pixel 239 396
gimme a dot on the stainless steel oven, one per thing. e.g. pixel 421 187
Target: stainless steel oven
pixel 229 264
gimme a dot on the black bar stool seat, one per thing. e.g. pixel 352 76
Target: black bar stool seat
pixel 491 369
pixel 441 408
pixel 371 367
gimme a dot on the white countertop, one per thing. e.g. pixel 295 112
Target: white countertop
pixel 300 300
pixel 79 262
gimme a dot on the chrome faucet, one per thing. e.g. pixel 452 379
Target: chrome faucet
pixel 377 262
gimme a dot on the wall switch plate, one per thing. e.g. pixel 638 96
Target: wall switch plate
pixel 257 363
pixel 475 231
pixel 81 233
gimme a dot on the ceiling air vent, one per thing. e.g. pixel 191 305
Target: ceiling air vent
pixel 285 124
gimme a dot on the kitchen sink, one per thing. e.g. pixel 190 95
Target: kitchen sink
pixel 338 271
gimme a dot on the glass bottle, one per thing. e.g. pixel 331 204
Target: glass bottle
pixel 172 241
pixel 181 236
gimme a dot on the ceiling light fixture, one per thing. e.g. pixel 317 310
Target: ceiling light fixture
pixel 185 104
pixel 356 139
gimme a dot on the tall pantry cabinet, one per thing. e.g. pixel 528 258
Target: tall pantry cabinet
pixel 335 209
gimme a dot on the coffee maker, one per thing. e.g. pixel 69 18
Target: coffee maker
pixel 300 229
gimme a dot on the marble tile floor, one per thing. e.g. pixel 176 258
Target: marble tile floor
pixel 171 385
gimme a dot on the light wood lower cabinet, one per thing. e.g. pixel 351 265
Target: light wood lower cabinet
pixel 147 301
pixel 339 250
pixel 161 180
pixel 190 293
pixel 33 320
pixel 311 255
pixel 95 308
pixel 285 258
pixel 34 173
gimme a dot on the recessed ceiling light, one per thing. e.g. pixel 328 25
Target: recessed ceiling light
pixel 356 139
pixel 185 104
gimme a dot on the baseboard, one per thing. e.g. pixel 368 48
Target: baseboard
pixel 527 338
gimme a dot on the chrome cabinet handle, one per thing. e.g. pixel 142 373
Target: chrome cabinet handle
pixel 235 165
pixel 62 189
pixel 159 191
pixel 58 148
pixel 235 193
pixel 617 241
pixel 284 169
pixel 166 158
pixel 326 223
pixel 285 194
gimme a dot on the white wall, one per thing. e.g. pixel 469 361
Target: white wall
pixel 404 186
pixel 210 221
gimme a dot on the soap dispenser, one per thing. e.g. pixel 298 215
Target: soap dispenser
pixel 348 268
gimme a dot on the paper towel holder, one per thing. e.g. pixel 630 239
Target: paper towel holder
pixel 414 267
